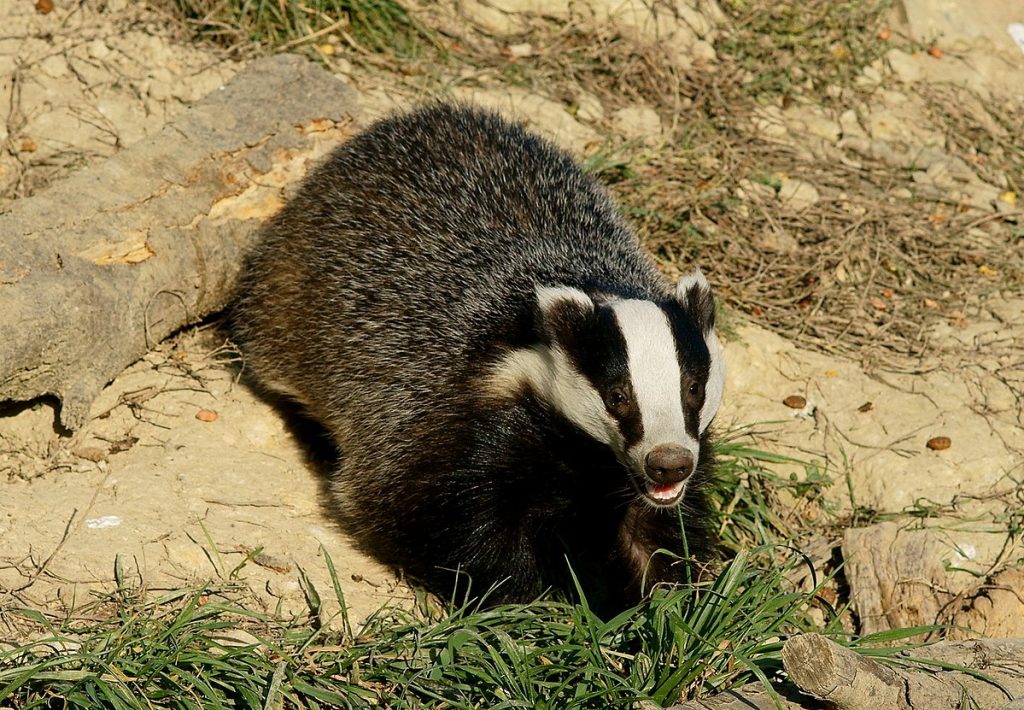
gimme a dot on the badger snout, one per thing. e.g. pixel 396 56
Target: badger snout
pixel 667 467
pixel 669 463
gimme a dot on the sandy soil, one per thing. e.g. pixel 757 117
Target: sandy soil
pixel 183 475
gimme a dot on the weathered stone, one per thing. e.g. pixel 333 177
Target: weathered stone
pixel 549 117
pixel 640 123
pixel 994 610
pixel 798 194
pixel 904 66
pixel 589 107
pixel 902 577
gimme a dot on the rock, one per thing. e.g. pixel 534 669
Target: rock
pixel 870 76
pixel 640 123
pixel 543 114
pixel 798 194
pixel 900 577
pixel 685 32
pixel 955 21
pixel 904 66
pixel 54 66
pixel 502 18
pixel 768 120
pixel 995 610
pixel 849 124
pixel 523 49
pixel 811 121
pixel 98 49
pixel 589 107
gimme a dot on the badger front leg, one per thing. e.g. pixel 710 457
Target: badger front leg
pixel 653 547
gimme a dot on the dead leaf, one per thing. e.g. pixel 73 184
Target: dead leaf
pixel 935 52
pixel 888 293
pixel 44 7
pixel 28 145
pixel 929 303
pixel 866 407
pixel 206 415
pixel 878 304
pixel 885 34
pixel 939 443
pixel 91 453
pixel 270 562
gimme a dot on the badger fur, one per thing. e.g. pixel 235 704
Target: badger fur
pixel 512 386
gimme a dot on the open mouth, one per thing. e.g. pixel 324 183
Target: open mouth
pixel 664 494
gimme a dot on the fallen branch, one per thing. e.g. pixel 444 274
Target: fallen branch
pixel 101 266
pixel 989 672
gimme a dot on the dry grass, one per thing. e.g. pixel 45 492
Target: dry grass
pixel 860 272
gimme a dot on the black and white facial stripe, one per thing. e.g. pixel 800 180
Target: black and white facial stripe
pixel 645 378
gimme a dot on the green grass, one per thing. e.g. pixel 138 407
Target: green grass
pixel 368 26
pixel 551 654
pixel 784 45
pixel 129 651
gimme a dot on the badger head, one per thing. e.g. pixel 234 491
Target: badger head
pixel 643 377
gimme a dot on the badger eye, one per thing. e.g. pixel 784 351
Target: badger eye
pixel 617 399
pixel 694 389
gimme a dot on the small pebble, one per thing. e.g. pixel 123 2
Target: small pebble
pixel 866 407
pixel 939 443
pixel 795 401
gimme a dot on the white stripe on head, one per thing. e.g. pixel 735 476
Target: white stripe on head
pixel 715 386
pixel 548 297
pixel 550 374
pixel 655 376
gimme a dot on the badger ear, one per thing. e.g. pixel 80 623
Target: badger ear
pixel 693 293
pixel 561 313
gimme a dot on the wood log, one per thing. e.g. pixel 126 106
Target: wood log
pixel 846 680
pixel 99 267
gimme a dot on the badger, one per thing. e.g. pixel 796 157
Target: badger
pixel 519 398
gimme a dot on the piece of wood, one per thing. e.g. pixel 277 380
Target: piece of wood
pixel 98 268
pixel 749 697
pixel 845 680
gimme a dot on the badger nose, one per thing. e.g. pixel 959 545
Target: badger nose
pixel 669 463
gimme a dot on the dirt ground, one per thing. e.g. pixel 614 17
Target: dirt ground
pixel 183 475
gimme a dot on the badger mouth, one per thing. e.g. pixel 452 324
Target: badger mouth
pixel 663 494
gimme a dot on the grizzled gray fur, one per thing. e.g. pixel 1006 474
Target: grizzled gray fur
pixel 447 293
